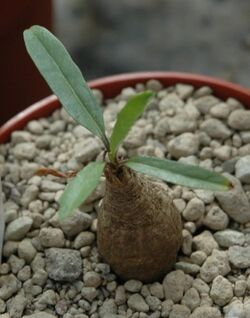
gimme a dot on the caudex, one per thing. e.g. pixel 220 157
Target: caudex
pixel 139 228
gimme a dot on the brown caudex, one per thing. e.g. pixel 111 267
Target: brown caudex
pixel 139 228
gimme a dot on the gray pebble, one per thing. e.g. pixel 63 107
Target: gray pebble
pixel 229 238
pixel 173 285
pixel 239 256
pixel 63 264
pixel 184 145
pixel 242 169
pixel 239 119
pixel 137 303
pixel 17 229
pixel 221 291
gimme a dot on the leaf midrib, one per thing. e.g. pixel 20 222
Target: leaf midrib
pixel 71 87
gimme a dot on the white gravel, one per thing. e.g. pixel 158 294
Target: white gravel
pixel 52 268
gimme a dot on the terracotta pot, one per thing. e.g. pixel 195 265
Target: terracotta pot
pixel 111 86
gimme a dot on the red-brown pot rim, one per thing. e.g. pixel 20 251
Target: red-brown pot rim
pixel 112 85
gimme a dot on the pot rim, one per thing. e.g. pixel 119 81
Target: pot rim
pixel 112 85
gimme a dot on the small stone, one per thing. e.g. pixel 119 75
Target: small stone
pixel 92 279
pixel 133 286
pixel 216 218
pixel 29 195
pixel 194 210
pixel 239 256
pixel 26 250
pixel 182 123
pixel 84 239
pixel 79 221
pixel 40 315
pixel 25 150
pixel 198 257
pixel 184 90
pixel 216 264
pixel 156 289
pixel 201 286
pixel 166 306
pixel 35 127
pixel 187 242
pixel 9 286
pixel 40 277
pixel 137 303
pixel 220 111
pixel 215 129
pixel 18 305
pixel 229 238
pixel 57 126
pixel 221 291
pixel 87 150
pixel 17 229
pixel 154 85
pixel 188 268
pixel 171 101
pixel 184 145
pixel 234 202
pixel 205 195
pixel 18 137
pixel 239 119
pixel 24 273
pixel 108 307
pixel 173 285
pixel 162 127
pixel 51 186
pixel 89 293
pixel 120 296
pixel 205 242
pixel 242 170
pixel 180 311
pixel 235 309
pixel 205 103
pixel 43 142
pixel 2 308
pixel 223 153
pixel 206 312
pixel 63 264
pixel 240 288
pixel 51 237
pixel 180 204
pixel 191 299
pixel 153 302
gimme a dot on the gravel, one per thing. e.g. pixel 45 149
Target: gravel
pixel 52 268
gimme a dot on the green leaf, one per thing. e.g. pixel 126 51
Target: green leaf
pixel 179 173
pixel 78 189
pixel 126 118
pixel 65 79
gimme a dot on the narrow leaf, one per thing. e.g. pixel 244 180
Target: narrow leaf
pixel 78 190
pixel 65 79
pixel 179 173
pixel 126 118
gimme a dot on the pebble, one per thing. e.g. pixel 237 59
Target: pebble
pixel 9 286
pixel 240 288
pixel 198 257
pixel 205 242
pixel 40 315
pixel 215 129
pixel 25 151
pixel 153 302
pixel 194 210
pixel 120 295
pixel 221 291
pixel 87 150
pixel 17 307
pixel 239 119
pixel 187 242
pixel 235 202
pixel 239 256
pixel 184 145
pixel 182 123
pixel 235 309
pixel 26 250
pixel 78 222
pixel 184 90
pixel 156 289
pixel 173 285
pixel 216 219
pixel 229 238
pixel 179 311
pixel 137 303
pixel 200 286
pixel 84 239
pixel 191 299
pixel 51 237
pixel 205 103
pixel 206 312
pixel 51 186
pixel 188 268
pixel 63 264
pixel 133 286
pixel 220 111
pixel 216 264
pixel 108 307
pixel 17 229
pixel 89 293
pixel 92 279
pixel 242 169
pixel 29 195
